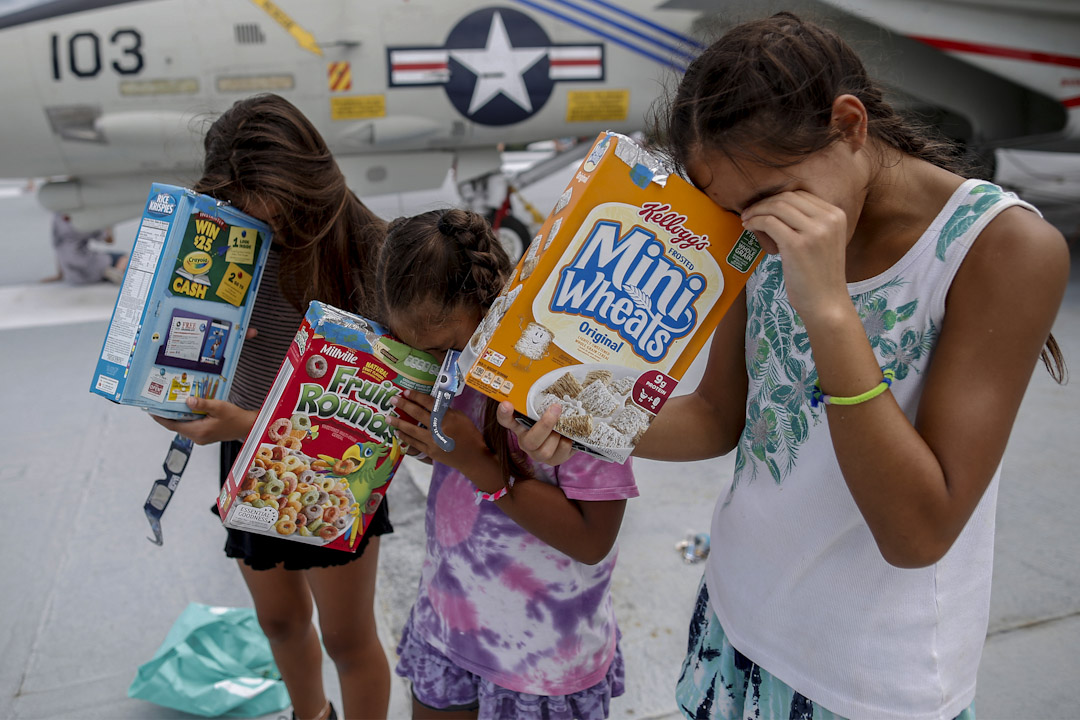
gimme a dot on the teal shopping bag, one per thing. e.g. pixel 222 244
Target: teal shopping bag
pixel 214 662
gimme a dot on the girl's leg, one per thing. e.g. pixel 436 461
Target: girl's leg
pixel 283 606
pixel 345 596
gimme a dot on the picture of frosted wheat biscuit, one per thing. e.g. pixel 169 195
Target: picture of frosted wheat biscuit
pixel 566 386
pixel 532 257
pixel 495 314
pixel 545 400
pixel 571 407
pixel 630 420
pixel 580 426
pixel 554 231
pixel 623 385
pixel 605 436
pixel 598 400
pixel 563 201
pixel 527 267
pixel 592 376
pixel 533 344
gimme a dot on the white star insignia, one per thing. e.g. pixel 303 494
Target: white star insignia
pixel 499 68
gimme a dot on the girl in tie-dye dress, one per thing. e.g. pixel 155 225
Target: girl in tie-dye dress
pixel 514 615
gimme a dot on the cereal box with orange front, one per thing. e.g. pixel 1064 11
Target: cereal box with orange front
pixel 625 282
pixel 319 459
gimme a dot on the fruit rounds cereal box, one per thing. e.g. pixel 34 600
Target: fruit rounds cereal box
pixel 628 277
pixel 184 305
pixel 321 454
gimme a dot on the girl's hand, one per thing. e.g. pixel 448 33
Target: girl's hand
pixel 223 421
pixel 811 236
pixel 469 445
pixel 540 442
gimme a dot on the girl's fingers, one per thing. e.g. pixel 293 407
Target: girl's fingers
pixel 413 409
pixel 794 212
pixel 505 416
pixel 776 230
pixel 556 450
pixel 412 435
pixel 428 401
pixel 531 439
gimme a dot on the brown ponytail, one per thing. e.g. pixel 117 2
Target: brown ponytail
pixel 448 259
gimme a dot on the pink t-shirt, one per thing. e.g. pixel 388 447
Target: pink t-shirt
pixel 505 605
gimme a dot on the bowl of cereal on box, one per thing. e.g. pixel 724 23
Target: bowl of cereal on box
pixel 598 407
pixel 313 504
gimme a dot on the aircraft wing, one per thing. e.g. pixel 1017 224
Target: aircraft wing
pixel 992 73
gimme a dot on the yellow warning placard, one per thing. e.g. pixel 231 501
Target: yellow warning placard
pixel 234 285
pixel 339 76
pixel 357 107
pixel 241 245
pixel 597 105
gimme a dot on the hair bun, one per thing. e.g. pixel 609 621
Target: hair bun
pixel 446 224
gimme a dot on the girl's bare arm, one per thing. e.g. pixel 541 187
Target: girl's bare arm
pixel 709 420
pixel 585 531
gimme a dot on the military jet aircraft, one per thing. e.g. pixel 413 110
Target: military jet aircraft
pixel 104 96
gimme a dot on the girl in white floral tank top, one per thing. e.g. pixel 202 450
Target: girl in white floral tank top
pixel 868 386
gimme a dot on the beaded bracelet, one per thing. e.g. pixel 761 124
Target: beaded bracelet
pixel 817 397
pixel 481 496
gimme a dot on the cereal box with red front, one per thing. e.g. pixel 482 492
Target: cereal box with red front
pixel 625 282
pixel 322 452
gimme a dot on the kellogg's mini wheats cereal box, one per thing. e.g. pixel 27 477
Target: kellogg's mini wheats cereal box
pixel 321 454
pixel 184 305
pixel 628 277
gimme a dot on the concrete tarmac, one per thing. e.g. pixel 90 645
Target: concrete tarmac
pixel 86 598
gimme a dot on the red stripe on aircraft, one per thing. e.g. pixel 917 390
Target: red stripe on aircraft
pixel 1071 102
pixel 1000 51
pixel 419 66
pixel 564 63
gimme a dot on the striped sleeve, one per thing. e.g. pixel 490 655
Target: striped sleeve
pixel 276 322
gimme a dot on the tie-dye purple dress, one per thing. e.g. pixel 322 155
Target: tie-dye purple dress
pixel 504 605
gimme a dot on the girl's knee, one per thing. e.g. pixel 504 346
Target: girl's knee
pixel 283 626
pixel 352 645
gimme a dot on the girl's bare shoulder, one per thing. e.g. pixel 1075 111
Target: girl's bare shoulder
pixel 1019 263
pixel 1032 247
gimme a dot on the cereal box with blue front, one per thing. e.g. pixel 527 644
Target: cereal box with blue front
pixel 184 305
pixel 628 277
pixel 320 457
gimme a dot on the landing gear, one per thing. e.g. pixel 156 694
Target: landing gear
pixel 512 233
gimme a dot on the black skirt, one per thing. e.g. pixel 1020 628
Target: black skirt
pixel 263 552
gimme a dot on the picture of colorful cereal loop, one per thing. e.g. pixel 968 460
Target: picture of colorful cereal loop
pixel 597 408
pixel 313 505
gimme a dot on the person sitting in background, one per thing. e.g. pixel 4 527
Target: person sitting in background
pixel 77 261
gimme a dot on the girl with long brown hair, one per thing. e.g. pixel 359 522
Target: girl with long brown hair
pixel 868 384
pixel 265 158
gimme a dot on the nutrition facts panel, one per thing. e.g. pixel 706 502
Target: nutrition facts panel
pixel 132 299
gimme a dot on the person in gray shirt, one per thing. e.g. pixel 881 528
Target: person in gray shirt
pixel 77 261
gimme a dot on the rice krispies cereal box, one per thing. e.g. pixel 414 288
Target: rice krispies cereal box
pixel 321 454
pixel 625 282
pixel 183 307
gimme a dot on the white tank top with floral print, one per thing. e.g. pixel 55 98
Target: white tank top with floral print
pixel 795 577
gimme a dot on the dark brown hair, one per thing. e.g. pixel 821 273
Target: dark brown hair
pixel 263 153
pixel 764 93
pixel 448 259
